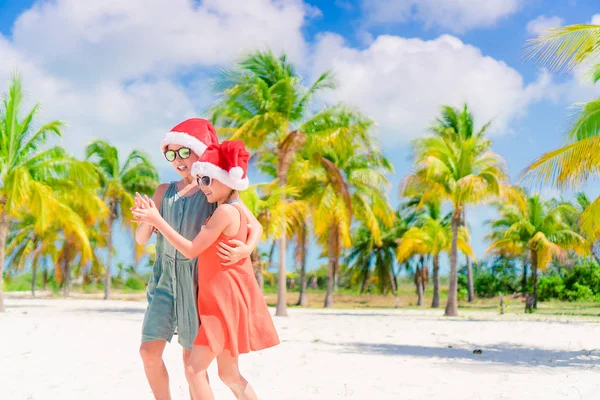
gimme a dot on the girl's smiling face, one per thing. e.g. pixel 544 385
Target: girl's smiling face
pixel 215 191
pixel 183 166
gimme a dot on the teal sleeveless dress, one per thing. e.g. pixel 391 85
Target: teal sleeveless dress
pixel 173 286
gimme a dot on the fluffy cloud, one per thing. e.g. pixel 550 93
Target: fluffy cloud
pixel 402 82
pixel 542 23
pixel 125 39
pixel 596 19
pixel 455 15
pixel 114 69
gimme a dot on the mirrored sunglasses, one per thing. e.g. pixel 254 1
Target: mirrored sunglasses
pixel 183 153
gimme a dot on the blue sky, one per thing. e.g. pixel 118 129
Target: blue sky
pixel 129 72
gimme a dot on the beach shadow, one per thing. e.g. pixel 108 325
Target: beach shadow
pixel 351 314
pixel 500 353
pixel 110 310
pixel 29 305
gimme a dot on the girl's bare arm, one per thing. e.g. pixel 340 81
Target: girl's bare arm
pixel 220 220
pixel 143 233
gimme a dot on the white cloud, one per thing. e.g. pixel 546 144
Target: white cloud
pixel 112 69
pixel 455 15
pixel 596 19
pixel 125 39
pixel 542 23
pixel 402 82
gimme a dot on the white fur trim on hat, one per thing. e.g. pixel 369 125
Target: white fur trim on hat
pixel 183 139
pixel 234 181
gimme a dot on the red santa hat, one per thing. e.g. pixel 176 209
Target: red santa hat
pixel 195 133
pixel 226 162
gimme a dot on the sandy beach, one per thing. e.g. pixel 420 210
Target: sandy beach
pixel 88 349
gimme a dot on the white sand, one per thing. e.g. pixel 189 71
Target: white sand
pixel 88 349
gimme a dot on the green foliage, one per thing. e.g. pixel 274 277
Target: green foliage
pixel 579 293
pixel 587 274
pixel 135 282
pixel 494 276
pixel 550 287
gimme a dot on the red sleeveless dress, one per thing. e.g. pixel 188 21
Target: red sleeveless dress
pixel 232 309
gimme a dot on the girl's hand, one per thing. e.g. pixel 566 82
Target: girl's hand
pixel 232 255
pixel 145 210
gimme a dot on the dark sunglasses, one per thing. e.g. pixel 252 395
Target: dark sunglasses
pixel 183 152
pixel 205 181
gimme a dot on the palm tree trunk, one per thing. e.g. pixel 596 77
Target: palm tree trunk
pixel 281 307
pixel 451 305
pixel 34 267
pixel 425 273
pixel 301 259
pixel 45 277
pixel 524 280
pixel 435 303
pixel 66 268
pixel 33 278
pixel 471 288
pixel 257 267
pixel 419 284
pixel 365 281
pixel 286 151
pixel 332 251
pixel 271 252
pixel 534 273
pixel 392 282
pixel 109 258
pixel 3 234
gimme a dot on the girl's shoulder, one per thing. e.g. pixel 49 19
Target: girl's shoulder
pixel 160 192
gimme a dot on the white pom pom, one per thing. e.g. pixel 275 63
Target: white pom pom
pixel 236 173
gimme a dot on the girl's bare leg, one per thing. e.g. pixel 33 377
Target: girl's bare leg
pixel 229 373
pixel 156 371
pixel 195 372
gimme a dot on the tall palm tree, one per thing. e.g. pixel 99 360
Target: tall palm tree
pixel 119 183
pixel 459 123
pixel 349 183
pixel 265 103
pixel 464 170
pixel 537 229
pixel 430 235
pixel 27 169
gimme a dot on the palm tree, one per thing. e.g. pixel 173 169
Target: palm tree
pixel 27 170
pixel 452 166
pixel 119 182
pixel 265 103
pixel 264 201
pixel 566 48
pixel 302 242
pixel 459 123
pixel 26 244
pixel 368 257
pixel 430 235
pixel 537 229
pixel 348 182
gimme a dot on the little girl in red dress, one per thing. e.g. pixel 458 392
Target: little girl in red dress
pixel 234 317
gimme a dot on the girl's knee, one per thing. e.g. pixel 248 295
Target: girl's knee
pixel 231 376
pixel 151 355
pixel 193 373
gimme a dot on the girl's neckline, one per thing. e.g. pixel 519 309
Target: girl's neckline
pixel 232 201
pixel 184 196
